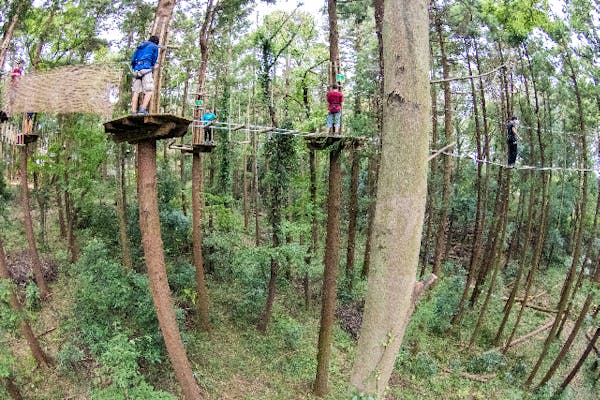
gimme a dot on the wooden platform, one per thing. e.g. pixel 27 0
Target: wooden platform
pixel 195 149
pixel 321 142
pixel 136 128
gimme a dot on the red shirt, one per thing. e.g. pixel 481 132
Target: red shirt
pixel 335 100
pixel 16 73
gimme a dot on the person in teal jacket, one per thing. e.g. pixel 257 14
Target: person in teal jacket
pixel 207 119
pixel 143 61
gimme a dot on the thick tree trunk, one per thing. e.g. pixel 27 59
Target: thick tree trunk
pixel 34 345
pixel 157 274
pixel 328 298
pixel 352 216
pixel 33 251
pixel 197 206
pixel 401 194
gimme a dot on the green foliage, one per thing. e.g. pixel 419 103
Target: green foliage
pixel 424 365
pixel 69 356
pixel 9 319
pixel 119 367
pixel 111 301
pixel 219 250
pixel 488 362
pixel 95 218
pixel 289 330
pixel 445 301
pixel 175 228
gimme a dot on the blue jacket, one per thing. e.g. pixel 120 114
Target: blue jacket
pixel 144 56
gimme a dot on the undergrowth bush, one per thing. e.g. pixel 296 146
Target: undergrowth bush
pixel 488 362
pixel 110 301
pixel 446 298
pixel 119 376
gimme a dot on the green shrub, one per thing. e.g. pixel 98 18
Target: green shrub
pixel 423 365
pixel 69 356
pixel 447 297
pixel 110 301
pixel 289 330
pixel 488 362
pixel 119 367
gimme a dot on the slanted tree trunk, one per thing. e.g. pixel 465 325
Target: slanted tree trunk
pixel 579 364
pixel 11 388
pixel 197 206
pixel 8 37
pixel 578 239
pixel 401 194
pixel 34 345
pixel 157 273
pixel 33 251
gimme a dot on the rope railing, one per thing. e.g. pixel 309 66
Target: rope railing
pixel 474 158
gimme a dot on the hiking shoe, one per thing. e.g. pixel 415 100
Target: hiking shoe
pixel 143 111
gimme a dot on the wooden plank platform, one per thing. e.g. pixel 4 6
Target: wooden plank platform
pixel 136 128
pixel 195 149
pixel 322 142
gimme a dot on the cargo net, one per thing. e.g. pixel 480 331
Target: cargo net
pixel 70 89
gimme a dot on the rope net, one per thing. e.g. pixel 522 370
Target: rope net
pixel 70 89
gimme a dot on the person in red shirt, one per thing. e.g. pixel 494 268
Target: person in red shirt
pixel 335 98
pixel 17 72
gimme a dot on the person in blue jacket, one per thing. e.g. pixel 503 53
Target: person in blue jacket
pixel 207 119
pixel 143 61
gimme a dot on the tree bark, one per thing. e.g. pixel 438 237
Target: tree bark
pixel 160 28
pixel 328 300
pixel 401 194
pixel 157 274
pixel 197 211
pixel 11 388
pixel 442 231
pixel 34 345
pixel 33 251
pixel 580 362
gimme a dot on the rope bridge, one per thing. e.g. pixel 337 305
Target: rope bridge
pixel 69 89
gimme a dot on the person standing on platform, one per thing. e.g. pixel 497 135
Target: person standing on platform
pixel 511 140
pixel 207 119
pixel 335 98
pixel 143 61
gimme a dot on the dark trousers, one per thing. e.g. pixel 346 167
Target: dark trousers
pixel 208 135
pixel 512 152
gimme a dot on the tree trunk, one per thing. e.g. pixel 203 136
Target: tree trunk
pixel 7 38
pixel 401 194
pixel 33 251
pixel 496 259
pixel 11 388
pixel 157 274
pixel 580 362
pixel 160 28
pixel 197 207
pixel 442 231
pixel 577 245
pixel 328 300
pixel 352 216
pixel 34 345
